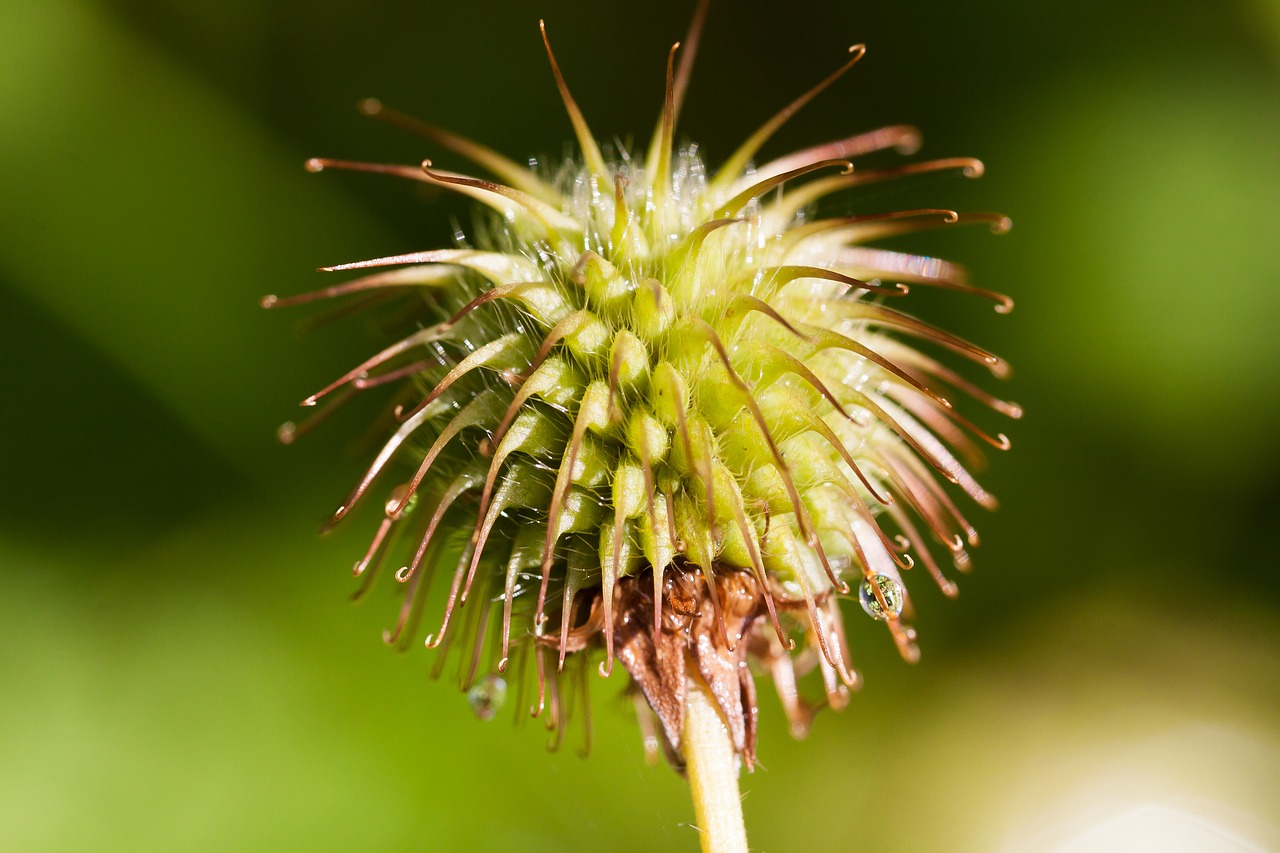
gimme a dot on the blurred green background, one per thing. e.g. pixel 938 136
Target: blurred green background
pixel 178 667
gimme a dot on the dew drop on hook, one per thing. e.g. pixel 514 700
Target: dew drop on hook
pixel 397 505
pixel 890 590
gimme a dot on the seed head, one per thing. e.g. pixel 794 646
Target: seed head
pixel 662 415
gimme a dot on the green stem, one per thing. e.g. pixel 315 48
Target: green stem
pixel 712 765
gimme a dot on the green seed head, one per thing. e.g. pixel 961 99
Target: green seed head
pixel 663 415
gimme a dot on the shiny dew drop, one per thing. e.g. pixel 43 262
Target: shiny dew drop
pixel 890 590
pixel 486 696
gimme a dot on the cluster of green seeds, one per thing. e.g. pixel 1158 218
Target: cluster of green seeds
pixel 668 415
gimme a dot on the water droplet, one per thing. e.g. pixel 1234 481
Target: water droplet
pixel 839 563
pixel 393 506
pixel 487 696
pixel 651 747
pixel 892 592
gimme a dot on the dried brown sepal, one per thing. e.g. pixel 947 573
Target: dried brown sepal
pixel 690 643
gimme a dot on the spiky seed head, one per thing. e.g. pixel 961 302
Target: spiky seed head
pixel 663 415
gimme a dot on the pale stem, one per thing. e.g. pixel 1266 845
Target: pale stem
pixel 712 765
